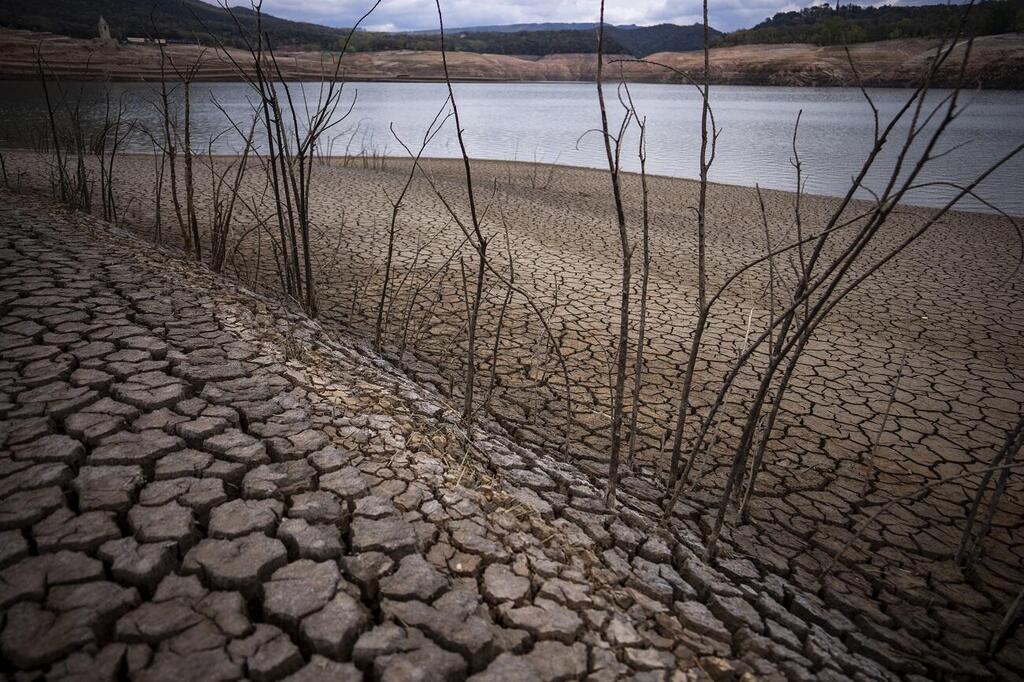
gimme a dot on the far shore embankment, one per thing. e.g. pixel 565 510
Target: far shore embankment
pixel 996 62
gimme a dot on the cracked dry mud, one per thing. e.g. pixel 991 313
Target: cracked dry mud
pixel 947 308
pixel 182 499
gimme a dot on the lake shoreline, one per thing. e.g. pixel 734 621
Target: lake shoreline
pixel 529 168
pixel 997 63
pixel 766 82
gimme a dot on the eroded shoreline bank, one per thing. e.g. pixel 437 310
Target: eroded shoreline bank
pixel 997 62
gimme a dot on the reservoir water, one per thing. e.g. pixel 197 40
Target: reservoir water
pixel 549 122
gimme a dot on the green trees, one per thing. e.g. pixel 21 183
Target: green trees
pixel 172 19
pixel 1003 17
pixel 825 25
pixel 904 28
pixel 839 31
pixel 535 43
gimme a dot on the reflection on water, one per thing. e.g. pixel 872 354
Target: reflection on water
pixel 548 121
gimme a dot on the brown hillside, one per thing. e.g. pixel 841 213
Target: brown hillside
pixel 996 62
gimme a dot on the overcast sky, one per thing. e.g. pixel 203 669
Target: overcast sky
pixel 393 15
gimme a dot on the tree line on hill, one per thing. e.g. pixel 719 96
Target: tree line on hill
pixel 827 25
pixel 533 43
pixel 176 20
pixel 196 21
pixel 638 41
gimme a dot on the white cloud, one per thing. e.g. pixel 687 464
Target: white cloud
pixel 422 14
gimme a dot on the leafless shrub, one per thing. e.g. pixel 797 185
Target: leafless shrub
pixel 160 165
pixel 67 142
pixel 4 178
pixel 1002 462
pixel 509 294
pixel 708 148
pixel 475 235
pixel 105 144
pixel 292 142
pixel 638 362
pixel 174 140
pixel 186 75
pixel 223 198
pixel 396 207
pixel 613 149
pixel 439 275
pixel 1007 624
pixel 828 279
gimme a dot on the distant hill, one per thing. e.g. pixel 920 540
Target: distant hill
pixel 515 28
pixel 532 43
pixel 639 41
pixel 825 25
pixel 195 21
pixel 188 20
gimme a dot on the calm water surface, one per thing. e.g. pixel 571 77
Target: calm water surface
pixel 549 122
